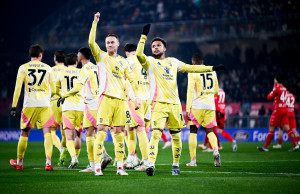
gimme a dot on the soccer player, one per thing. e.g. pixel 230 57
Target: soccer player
pixel 88 78
pixel 141 117
pixel 112 106
pixel 290 102
pixel 279 116
pixel 220 111
pixel 59 59
pixel 39 87
pixel 72 107
pixel 166 103
pixel 200 108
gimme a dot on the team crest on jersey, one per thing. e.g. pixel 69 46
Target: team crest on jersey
pixel 155 123
pixel 167 70
pixel 101 120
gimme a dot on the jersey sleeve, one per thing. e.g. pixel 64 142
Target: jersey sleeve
pixel 133 82
pixel 96 51
pixel 216 87
pixel 18 87
pixel 183 67
pixel 190 92
pixel 272 94
pixel 144 61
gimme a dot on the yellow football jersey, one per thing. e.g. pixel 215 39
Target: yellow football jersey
pixel 202 87
pixel 163 74
pixel 39 84
pixel 66 80
pixel 56 69
pixel 142 76
pixel 112 71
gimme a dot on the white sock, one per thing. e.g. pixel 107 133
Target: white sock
pixel 74 159
pixel 119 164
pixel 19 162
pixel 97 165
pixel 175 164
pixel 92 164
pixel 146 162
pixel 48 162
pixel 152 164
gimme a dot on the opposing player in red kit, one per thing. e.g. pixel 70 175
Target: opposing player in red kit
pixel 290 102
pixel 279 116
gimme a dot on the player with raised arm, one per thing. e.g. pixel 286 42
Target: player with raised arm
pixel 166 104
pixel 141 117
pixel 72 107
pixel 201 110
pixel 290 102
pixel 39 87
pixel 112 106
pixel 279 116
pixel 59 59
pixel 88 78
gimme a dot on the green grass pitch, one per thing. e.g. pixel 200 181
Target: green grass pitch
pixel 246 171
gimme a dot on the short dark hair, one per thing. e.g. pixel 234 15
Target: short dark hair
pixel 129 47
pixel 71 59
pixel 35 50
pixel 113 35
pixel 280 78
pixel 60 56
pixel 198 58
pixel 159 39
pixel 86 52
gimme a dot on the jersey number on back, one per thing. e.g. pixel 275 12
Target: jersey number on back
pixel 283 96
pixel 144 73
pixel 206 79
pixel 290 102
pixel 32 74
pixel 70 82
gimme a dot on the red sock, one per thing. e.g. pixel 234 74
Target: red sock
pixel 269 138
pixel 164 137
pixel 227 136
pixel 298 138
pixel 209 145
pixel 292 137
pixel 205 140
pixel 279 141
pixel 217 135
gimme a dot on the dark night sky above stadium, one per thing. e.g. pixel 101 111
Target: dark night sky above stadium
pixel 17 20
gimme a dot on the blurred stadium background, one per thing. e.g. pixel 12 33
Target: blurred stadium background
pixel 253 39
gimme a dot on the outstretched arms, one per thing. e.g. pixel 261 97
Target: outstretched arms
pixel 96 51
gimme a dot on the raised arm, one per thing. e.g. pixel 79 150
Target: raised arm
pixel 96 51
pixel 140 49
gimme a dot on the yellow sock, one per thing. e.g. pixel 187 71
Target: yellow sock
pixel 113 137
pixel 131 141
pixel 176 146
pixel 213 140
pixel 22 145
pixel 90 148
pixel 144 144
pixel 63 138
pixel 193 145
pixel 48 144
pixel 71 148
pixel 55 139
pixel 77 151
pixel 155 137
pixel 99 145
pixel 119 146
pixel 126 142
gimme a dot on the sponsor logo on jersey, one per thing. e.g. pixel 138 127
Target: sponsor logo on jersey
pixel 36 90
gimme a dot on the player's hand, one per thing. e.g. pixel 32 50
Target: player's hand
pixel 97 16
pixel 137 103
pixel 13 112
pixel 219 67
pixel 188 115
pixel 146 29
pixel 60 101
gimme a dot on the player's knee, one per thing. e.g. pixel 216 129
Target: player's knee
pixel 156 134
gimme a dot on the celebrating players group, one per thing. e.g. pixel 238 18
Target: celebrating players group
pixel 125 96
